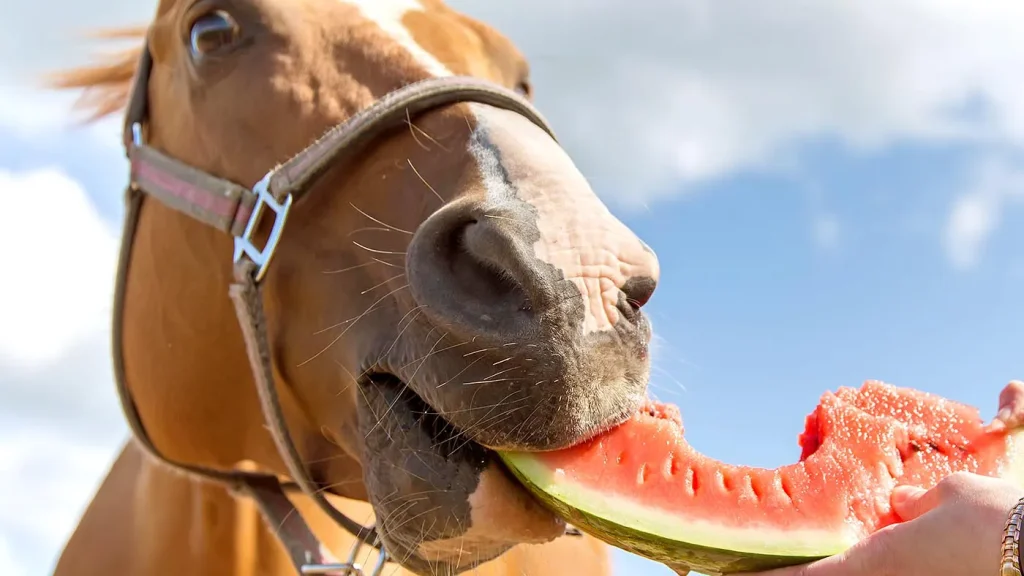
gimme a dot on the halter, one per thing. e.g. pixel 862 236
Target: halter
pixel 236 210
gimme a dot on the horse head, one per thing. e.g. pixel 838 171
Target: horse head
pixel 453 288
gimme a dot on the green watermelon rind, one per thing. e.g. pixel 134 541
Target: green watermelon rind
pixel 660 536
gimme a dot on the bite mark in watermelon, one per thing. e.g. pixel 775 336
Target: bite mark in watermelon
pixel 642 488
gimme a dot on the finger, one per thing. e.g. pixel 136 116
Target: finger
pixel 909 502
pixel 1011 405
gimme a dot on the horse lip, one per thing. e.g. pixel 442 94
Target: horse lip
pixel 450 433
pixel 449 443
pixel 443 431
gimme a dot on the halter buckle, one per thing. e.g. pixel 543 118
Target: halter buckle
pixel 350 567
pixel 343 569
pixel 244 245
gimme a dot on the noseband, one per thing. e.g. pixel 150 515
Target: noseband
pixel 237 210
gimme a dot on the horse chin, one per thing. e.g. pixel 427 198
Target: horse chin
pixel 441 499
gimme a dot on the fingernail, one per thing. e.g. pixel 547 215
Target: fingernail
pixel 994 426
pixel 1004 414
pixel 903 494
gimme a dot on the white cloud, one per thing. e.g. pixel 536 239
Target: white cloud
pixel 59 42
pixel 976 213
pixel 648 94
pixel 61 424
pixel 34 114
pixel 61 257
pixel 47 477
pixel 971 220
pixel 825 228
pixel 27 112
pixel 8 565
pixel 61 428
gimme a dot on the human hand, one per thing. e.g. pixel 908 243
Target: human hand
pixel 953 529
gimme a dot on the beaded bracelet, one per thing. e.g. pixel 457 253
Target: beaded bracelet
pixel 1010 565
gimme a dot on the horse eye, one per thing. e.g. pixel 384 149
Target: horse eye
pixel 212 32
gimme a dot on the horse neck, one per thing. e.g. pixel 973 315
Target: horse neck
pixel 185 361
pixel 188 371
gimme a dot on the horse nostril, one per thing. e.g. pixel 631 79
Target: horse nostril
pixel 638 291
pixel 483 264
pixel 473 269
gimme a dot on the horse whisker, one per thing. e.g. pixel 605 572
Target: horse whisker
pixel 381 284
pixel 411 362
pixel 422 179
pixel 418 310
pixel 414 128
pixel 470 365
pixel 388 226
pixel 490 381
pixel 379 261
pixel 356 321
pixel 391 252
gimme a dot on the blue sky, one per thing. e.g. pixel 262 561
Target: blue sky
pixel 756 316
pixel 836 194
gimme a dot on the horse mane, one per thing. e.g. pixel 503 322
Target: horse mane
pixel 106 84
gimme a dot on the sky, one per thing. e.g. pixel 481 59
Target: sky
pixel 835 191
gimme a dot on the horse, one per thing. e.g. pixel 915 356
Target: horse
pixel 356 265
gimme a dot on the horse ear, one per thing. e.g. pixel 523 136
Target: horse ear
pixel 106 85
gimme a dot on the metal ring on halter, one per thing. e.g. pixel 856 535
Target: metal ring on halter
pixel 350 567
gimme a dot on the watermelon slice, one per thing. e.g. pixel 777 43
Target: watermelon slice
pixel 642 488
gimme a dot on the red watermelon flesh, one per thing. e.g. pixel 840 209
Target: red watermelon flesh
pixel 640 486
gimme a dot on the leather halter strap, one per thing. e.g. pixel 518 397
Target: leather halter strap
pixel 236 210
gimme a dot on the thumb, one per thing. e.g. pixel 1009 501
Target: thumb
pixel 1011 404
pixel 910 502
